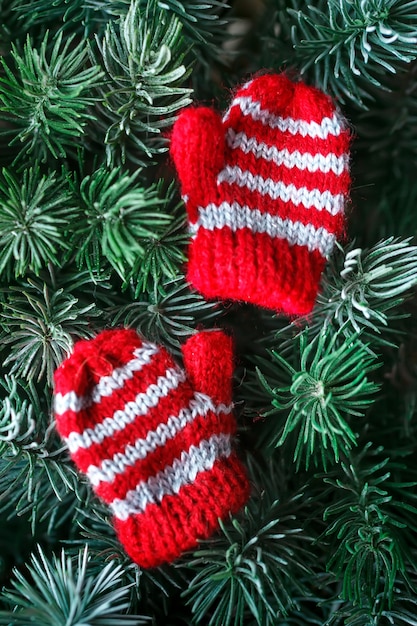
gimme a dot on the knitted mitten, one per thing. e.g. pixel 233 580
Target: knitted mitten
pixel 265 189
pixel 154 439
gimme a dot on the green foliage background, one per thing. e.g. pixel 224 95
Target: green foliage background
pixel 93 235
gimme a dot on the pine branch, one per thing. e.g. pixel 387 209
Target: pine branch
pixel 402 614
pixel 388 131
pixel 113 9
pixel 41 12
pixel 40 323
pixel 371 538
pixel 22 416
pixel 143 89
pixel 40 486
pixel 35 480
pixel 12 26
pixel 202 22
pixel 318 395
pixel 87 287
pixel 117 218
pixel 401 372
pixel 43 97
pixel 78 16
pixel 35 212
pixel 203 27
pixel 62 591
pixel 164 253
pixel 362 290
pixel 162 260
pixel 391 206
pixel 385 158
pixel 349 47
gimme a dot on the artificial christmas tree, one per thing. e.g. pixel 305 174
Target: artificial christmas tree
pixel 94 237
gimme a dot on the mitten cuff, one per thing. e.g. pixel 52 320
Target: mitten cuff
pixel 179 521
pixel 253 267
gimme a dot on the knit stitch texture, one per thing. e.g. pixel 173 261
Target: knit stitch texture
pixel 265 189
pixel 154 439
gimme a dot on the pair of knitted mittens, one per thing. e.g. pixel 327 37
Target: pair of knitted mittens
pixel 265 189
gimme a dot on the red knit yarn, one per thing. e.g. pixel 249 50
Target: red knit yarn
pixel 265 189
pixel 154 439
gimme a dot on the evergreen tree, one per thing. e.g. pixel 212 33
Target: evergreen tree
pixel 93 235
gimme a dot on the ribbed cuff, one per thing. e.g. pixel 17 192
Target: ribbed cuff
pixel 166 530
pixel 255 268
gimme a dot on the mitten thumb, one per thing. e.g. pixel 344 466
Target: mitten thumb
pixel 198 152
pixel 208 360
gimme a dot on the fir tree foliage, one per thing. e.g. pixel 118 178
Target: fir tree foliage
pixel 11 27
pixel 60 590
pixel 143 60
pixel 66 15
pixel 117 215
pixel 203 27
pixel 202 21
pixel 93 235
pixel 37 482
pixel 162 260
pixel 349 47
pixel 40 323
pixel 155 591
pixel 327 387
pixel 364 288
pixel 376 612
pixel 20 406
pixel 40 487
pixel 43 94
pixel 372 528
pixel 34 212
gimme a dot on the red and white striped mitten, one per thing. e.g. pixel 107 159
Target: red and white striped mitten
pixel 265 189
pixel 154 439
